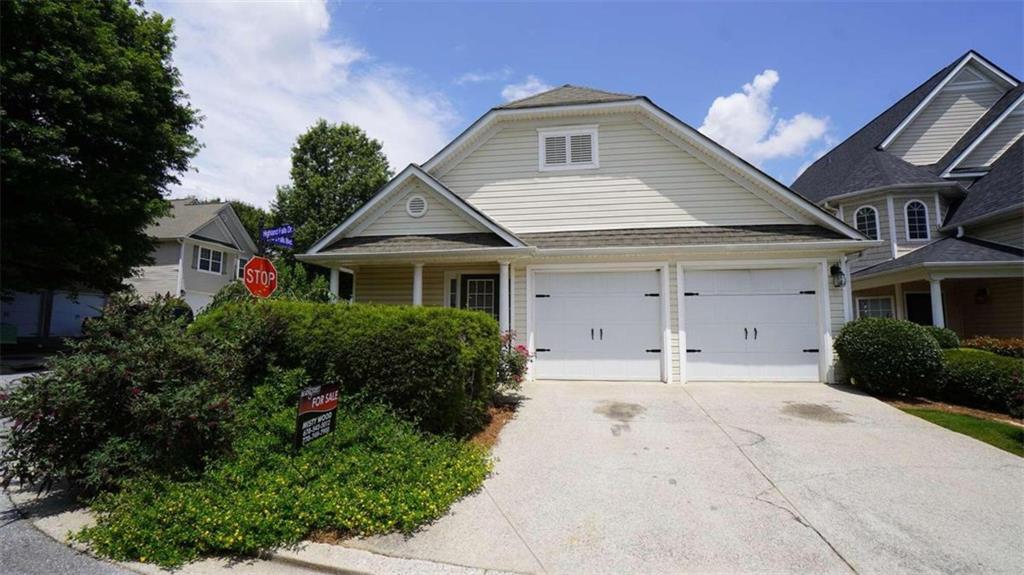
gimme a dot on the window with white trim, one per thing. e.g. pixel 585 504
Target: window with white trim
pixel 568 148
pixel 875 307
pixel 211 261
pixel 240 268
pixel 865 219
pixel 917 220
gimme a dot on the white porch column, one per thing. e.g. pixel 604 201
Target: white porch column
pixel 417 284
pixel 335 281
pixel 900 314
pixel 504 292
pixel 937 317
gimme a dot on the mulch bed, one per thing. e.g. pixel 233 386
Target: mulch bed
pixel 922 403
pixel 499 415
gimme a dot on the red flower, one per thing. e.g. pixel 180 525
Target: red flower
pixel 135 391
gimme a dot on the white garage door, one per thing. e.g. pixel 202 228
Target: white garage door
pixel 751 325
pixel 598 325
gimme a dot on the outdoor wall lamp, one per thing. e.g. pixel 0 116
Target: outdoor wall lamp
pixel 838 277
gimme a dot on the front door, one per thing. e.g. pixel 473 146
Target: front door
pixel 919 308
pixel 480 293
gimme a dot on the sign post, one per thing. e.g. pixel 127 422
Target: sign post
pixel 260 276
pixel 318 407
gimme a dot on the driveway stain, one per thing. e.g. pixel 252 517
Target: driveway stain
pixel 816 412
pixel 621 412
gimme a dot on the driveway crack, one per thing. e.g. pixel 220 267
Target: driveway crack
pixel 795 511
pixel 515 530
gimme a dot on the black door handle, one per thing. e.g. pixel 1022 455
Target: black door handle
pixel 755 333
pixel 745 333
pixel 601 331
pixel 591 334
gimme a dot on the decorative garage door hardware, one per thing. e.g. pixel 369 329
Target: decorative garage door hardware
pixel 653 350
pixel 542 295
pixel 652 295
pixel 693 351
pixel 810 351
pixel 746 294
pixel 541 349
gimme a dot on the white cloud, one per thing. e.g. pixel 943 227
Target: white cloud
pixel 479 77
pixel 261 73
pixel 745 123
pixel 532 85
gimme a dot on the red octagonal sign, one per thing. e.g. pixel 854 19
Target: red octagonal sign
pixel 260 277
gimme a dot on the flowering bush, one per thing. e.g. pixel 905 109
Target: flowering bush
pixel 1008 346
pixel 512 363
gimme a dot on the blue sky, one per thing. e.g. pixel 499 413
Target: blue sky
pixel 414 75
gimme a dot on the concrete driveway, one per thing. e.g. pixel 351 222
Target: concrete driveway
pixel 627 478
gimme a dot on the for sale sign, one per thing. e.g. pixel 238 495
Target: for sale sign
pixel 318 407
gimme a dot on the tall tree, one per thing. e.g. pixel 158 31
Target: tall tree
pixel 95 127
pixel 336 168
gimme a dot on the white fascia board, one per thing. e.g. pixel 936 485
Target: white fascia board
pixel 415 171
pixel 686 132
pixel 838 246
pixel 981 137
pixel 970 57
pixel 248 241
pixel 946 188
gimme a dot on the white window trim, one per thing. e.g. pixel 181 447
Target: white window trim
pixel 448 277
pixel 878 220
pixel 239 266
pixel 927 222
pixel 892 303
pixel 199 261
pixel 567 131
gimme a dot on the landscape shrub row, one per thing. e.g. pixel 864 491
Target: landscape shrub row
pixel 1008 346
pixel 437 366
pixel 899 358
pixel 374 474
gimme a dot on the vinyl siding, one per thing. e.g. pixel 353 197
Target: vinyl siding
pixel 904 244
pixel 166 253
pixel 194 280
pixel 215 231
pixel 392 285
pixel 997 142
pixel 519 304
pixel 946 119
pixel 643 181
pixel 441 217
pixel 1009 232
pixel 1000 315
pixel 876 255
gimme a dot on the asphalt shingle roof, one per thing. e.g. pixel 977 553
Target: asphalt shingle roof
pixel 1000 189
pixel 392 244
pixel 567 95
pixel 186 216
pixel 949 250
pixel 682 236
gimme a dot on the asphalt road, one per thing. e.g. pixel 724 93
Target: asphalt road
pixel 24 550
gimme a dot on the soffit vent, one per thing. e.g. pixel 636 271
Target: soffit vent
pixel 416 206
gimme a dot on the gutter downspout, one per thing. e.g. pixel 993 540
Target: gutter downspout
pixel 181 269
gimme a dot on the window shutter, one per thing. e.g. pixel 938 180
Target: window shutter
pixel 195 257
pixel 554 150
pixel 581 149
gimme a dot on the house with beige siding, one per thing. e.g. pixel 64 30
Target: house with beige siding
pixel 200 247
pixel 612 239
pixel 938 179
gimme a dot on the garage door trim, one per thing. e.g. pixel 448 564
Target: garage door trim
pixel 662 268
pixel 820 267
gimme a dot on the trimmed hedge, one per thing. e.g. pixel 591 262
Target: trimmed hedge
pixel 437 366
pixel 1008 346
pixel 983 379
pixel 890 356
pixel 946 338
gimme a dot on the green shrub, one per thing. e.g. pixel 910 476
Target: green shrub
pixel 435 365
pixel 946 338
pixel 294 281
pixel 890 356
pixel 133 395
pixel 1007 346
pixel 978 378
pixel 373 475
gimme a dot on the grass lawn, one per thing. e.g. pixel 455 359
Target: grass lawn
pixel 1002 435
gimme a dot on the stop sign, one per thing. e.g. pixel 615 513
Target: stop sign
pixel 260 277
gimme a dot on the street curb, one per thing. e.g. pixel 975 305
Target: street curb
pixel 275 557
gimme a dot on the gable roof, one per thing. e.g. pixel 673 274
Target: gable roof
pixel 999 191
pixel 858 162
pixel 995 115
pixel 948 251
pixel 186 216
pixel 566 95
pixel 414 171
pixel 694 142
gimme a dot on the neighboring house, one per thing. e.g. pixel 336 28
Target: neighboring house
pixel 939 178
pixel 200 247
pixel 617 242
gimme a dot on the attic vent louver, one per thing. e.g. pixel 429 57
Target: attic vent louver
pixel 416 206
pixel 568 148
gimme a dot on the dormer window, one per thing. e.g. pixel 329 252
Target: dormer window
pixel 569 148
pixel 917 220
pixel 866 221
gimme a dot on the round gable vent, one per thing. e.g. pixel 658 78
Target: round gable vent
pixel 416 206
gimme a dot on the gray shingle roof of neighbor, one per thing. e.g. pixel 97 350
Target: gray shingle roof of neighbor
pixel 980 126
pixel 877 169
pixel 852 159
pixel 680 236
pixel 1000 189
pixel 567 95
pixel 949 250
pixel 186 216
pixel 414 243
